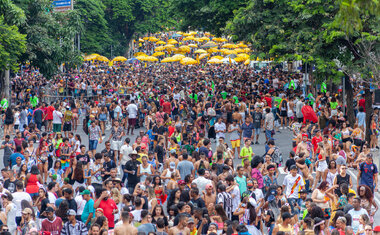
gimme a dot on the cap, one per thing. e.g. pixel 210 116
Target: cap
pixel 99 210
pixel 27 211
pixel 85 192
pixel 117 180
pixel 173 151
pixel 292 167
pixel 249 183
pixel 369 155
pixel 305 135
pixel 190 220
pixel 215 224
pixel 71 212
pixel 134 152
pixel 303 191
pixel 49 209
pixel 209 186
pixel 376 229
pixel 172 165
pixel 181 182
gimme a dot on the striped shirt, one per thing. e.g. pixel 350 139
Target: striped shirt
pixel 54 227
pixel 78 229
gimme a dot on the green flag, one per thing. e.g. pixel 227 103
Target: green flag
pixel 323 87
pixel 292 84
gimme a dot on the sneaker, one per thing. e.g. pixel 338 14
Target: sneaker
pixel 281 128
pixel 256 142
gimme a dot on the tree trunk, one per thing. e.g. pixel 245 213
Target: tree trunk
pixel 368 111
pixel 350 101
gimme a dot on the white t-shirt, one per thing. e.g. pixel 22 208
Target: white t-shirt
pixel 18 197
pixel 57 117
pixel 132 110
pixel 116 111
pixel 80 204
pixel 136 215
pixel 220 127
pixel 355 218
pixel 236 198
pixel 291 190
pixel 125 150
pixel 51 198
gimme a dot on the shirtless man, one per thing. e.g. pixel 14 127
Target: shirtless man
pixel 171 159
pixel 306 172
pixel 237 116
pixel 181 228
pixel 126 228
pixel 209 196
pixel 205 164
pixel 327 146
pixel 302 147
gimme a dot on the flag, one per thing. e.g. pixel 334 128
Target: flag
pixel 145 65
pixel 292 84
pixel 198 58
pixel 323 87
pixel 229 60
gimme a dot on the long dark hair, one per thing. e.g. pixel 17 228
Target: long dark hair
pixel 34 170
pixel 252 213
pixel 368 193
pixel 317 229
pixel 220 211
pixel 62 210
pixel 78 171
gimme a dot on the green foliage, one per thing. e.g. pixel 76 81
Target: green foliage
pixel 12 14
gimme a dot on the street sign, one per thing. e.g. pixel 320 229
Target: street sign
pixel 62 5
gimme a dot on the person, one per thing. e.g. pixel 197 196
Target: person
pixel 181 227
pixel 368 172
pixel 268 124
pixel 95 136
pixel 285 226
pixel 376 230
pixel 125 151
pixel 225 199
pixel 28 222
pixel 234 131
pixel 73 226
pixel 185 167
pixel 88 210
pixel 131 168
pixel 220 129
pixel 10 212
pixel 94 230
pixel 52 223
pixel 132 116
pixel 355 213
pixel 201 181
pixel 31 181
pixel 9 146
pixel 292 183
pixel 126 228
pixel 109 207
pixel 18 197
pixel 146 226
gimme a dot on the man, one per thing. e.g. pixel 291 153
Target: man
pixel 195 199
pixel 118 184
pixel 225 200
pixel 201 181
pixel 73 226
pixel 109 207
pixel 124 157
pixel 95 169
pixel 14 156
pixel 132 115
pixel 89 210
pixel 95 229
pixel 10 183
pixel 181 228
pixel 241 179
pixel 220 129
pixel 28 223
pixel 299 106
pixel 257 116
pixel 291 186
pixel 270 179
pixel 52 223
pixel 185 167
pixel 108 164
pixel 57 120
pixel 67 121
pixel 19 196
pixel 38 116
pixel 304 147
pixel 49 118
pixel 285 225
pixel 234 131
pixel 356 213
pixel 95 135
pixel 368 172
pixel 159 150
pixel 246 152
pixel 247 129
pixel 9 146
pixel 126 228
pixel 233 190
pixel 109 151
pixel 146 226
pixel 131 169
pixel 117 132
pixel 52 192
pixel 83 156
pixel 268 124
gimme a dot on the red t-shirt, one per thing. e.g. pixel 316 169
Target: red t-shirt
pixel 171 130
pixel 166 107
pixel 362 103
pixel 50 110
pixel 268 100
pixel 108 207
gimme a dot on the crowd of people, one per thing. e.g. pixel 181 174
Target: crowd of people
pixel 179 154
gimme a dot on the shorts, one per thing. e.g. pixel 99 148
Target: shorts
pixel 229 117
pixel 322 166
pixel 283 114
pixel 258 131
pixel 235 143
pixel 132 121
pixel 57 127
pixel 67 127
pixel 116 145
pixel 93 144
pixel 268 133
pixel 346 140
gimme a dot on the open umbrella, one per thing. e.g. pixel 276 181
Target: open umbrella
pixel 160 43
pixel 242 45
pixel 160 48
pixel 214 61
pixel 200 51
pixel 240 59
pixel 90 57
pixel 119 58
pixel 159 53
pixel 247 62
pixel 102 58
pixel 213 50
pixel 141 40
pixel 139 53
pixel 178 57
pixel 189 38
pixel 205 38
pixel 167 60
pixel 217 57
pixel 208 45
pixel 186 49
pixel 151 59
pixel 238 50
pixel 193 45
pixel 198 40
pixel 246 50
pixel 229 45
pixel 142 57
pixel 193 33
pixel 243 55
pixel 172 41
pixel 188 61
pixel 169 46
pixel 153 39
pixel 202 56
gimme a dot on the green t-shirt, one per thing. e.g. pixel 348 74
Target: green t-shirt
pixel 4 103
pixel 224 94
pixel 242 183
pixel 88 209
pixel 333 105
pixel 244 152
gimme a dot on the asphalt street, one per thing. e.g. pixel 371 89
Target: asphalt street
pixel 282 140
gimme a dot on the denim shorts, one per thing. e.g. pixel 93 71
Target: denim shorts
pixel 93 144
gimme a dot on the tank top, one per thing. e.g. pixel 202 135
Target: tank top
pixel 11 216
pixel 285 229
pixel 330 177
pixel 31 186
pixel 340 179
pixel 168 174
pixel 321 196
pixel 144 170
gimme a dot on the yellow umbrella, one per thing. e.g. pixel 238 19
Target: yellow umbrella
pixel 179 32
pixel 188 61
pixel 247 62
pixel 178 57
pixel 161 42
pixel 198 40
pixel 193 45
pixel 184 49
pixel 169 46
pixel 205 38
pixel 172 41
pixel 217 57
pixel 119 58
pixel 139 53
pixel 102 58
pixel 200 51
pixel 240 59
pixel 145 38
pixel 213 50
pixel 167 60
pixel 217 39
pixel 238 50
pixel 193 33
pixel 160 48
pixel 242 45
pixel 189 38
pixel 153 39
pixel 90 57
pixel 214 61
pixel 202 56
pixel 228 52
pixel 160 53
pixel 223 40
pixel 246 50
pixel 151 59
pixel 141 40
pixel 229 45
pixel 243 55
pixel 186 34
pixel 142 57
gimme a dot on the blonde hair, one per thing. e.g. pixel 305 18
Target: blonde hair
pixel 116 195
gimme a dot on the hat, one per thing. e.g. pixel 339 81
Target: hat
pixel 191 220
pixel 209 186
pixel 85 192
pixel 376 229
pixel 134 152
pixel 117 180
pixel 99 209
pixel 249 183
pixel 305 135
pixel 49 209
pixel 71 212
pixel 303 191
pixel 215 224
pixel 173 151
pixel 293 167
pixel 172 165
pixel 181 182
pixel 27 211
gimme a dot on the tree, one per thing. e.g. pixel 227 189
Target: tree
pixel 12 42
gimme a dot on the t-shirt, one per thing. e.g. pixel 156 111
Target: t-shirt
pixel 225 199
pixel 368 172
pixel 292 184
pixel 146 228
pixel 7 150
pixel 38 113
pixel 18 197
pixel 49 112
pixel 257 117
pixel 242 181
pixel 132 111
pixel 247 129
pixel 84 158
pixel 289 163
pixel 54 227
pixel 235 195
pixel 125 150
pixel 355 218
pixel 220 127
pixel 10 185
pixel 108 206
pixel 88 208
pixel 234 135
pixel 185 168
pixel 166 107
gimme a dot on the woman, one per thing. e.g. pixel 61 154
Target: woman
pixel 159 190
pixel 247 214
pixel 174 197
pixel 10 212
pixel 117 198
pixel 346 136
pixel 78 174
pixel 8 121
pixel 56 172
pixel 219 216
pixel 330 173
pixel 256 173
pixel 367 201
pixel 77 144
pixel 172 211
pixel 62 211
pixel 42 202
pixel 321 197
pixel 321 163
pixel 158 212
pixel 280 197
pixel 373 132
pixel 145 169
pixel 230 163
pixel 138 143
pixel 320 227
pixel 102 221
pixel 22 172
pixel 42 159
pixel 75 110
pixel 103 119
pixel 31 181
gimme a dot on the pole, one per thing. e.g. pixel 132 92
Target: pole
pixel 344 94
